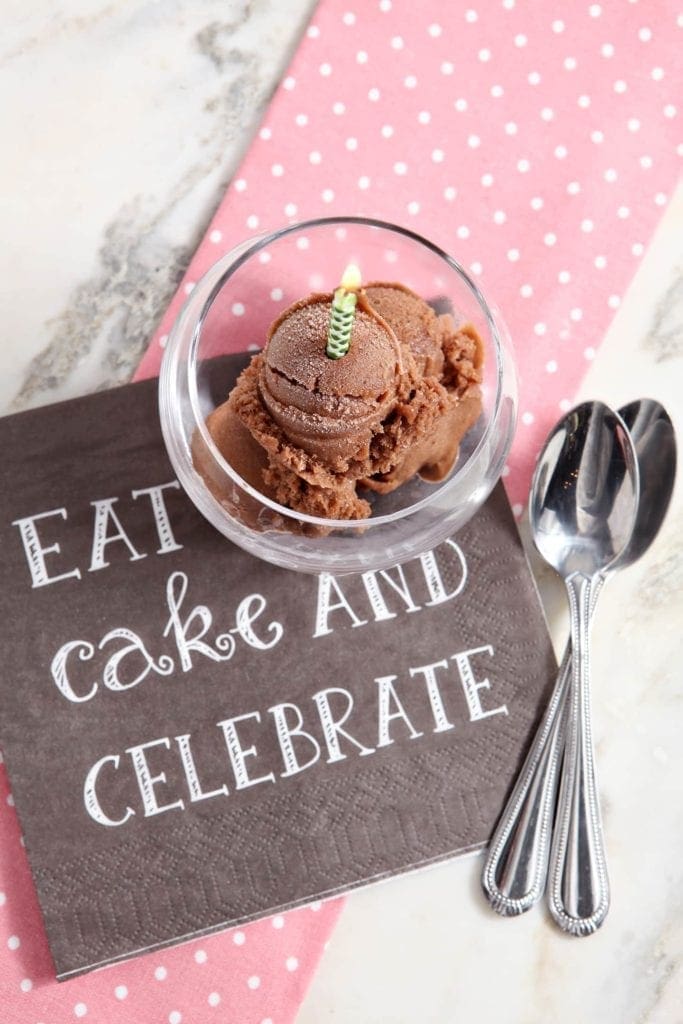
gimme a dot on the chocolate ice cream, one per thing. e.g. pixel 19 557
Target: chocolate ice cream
pixel 313 432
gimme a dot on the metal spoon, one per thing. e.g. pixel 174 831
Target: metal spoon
pixel 516 864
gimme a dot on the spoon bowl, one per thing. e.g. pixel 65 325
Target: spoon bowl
pixel 585 491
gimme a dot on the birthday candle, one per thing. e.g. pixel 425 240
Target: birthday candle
pixel 343 313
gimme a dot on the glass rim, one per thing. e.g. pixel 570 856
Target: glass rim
pixel 253 247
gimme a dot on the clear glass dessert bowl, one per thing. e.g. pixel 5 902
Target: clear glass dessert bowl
pixel 226 319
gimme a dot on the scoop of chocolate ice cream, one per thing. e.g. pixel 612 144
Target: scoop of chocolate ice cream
pixel 330 408
pixel 414 323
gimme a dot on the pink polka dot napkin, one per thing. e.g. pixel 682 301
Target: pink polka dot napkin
pixel 538 144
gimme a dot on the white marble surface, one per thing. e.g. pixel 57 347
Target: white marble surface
pixel 123 120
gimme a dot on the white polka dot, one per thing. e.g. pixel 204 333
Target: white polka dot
pixel 3 898
pixel 265 133
pixel 291 963
pixel 517 510
pixel 175 1017
pixel 188 287
pixel 413 207
pixel 607 50
pixel 527 418
pixel 276 295
pixel 391 257
pixel 587 225
pixel 646 162
pixel 25 984
pixel 338 108
pixel 315 157
pixel 657 74
pixel 540 329
pixel 252 222
pixel 600 262
pixel 645 34
pixel 476 268
pixel 460 105
pixel 473 141
pixel 438 156
pixel 301 120
pixel 550 238
pixel 361 57
pixel 313 32
pixel 424 117
pixel 526 291
pixel 267 1020
pixel 497 91
pixel 447 67
pixel 487 180
pixel 506 470
pixel 614 302
pixel 302 243
pixel 10 800
pixel 325 70
pixel 669 110
pixel 240 185
pixel 499 217
pixel 264 257
pixel 327 195
pixel 620 85
pixel 277 170
pixel 397 42
pixel 573 188
pixel 290 209
pixel 120 991
pixel 570 63
pixel 364 182
pixel 450 192
pixel 637 248
pixel 661 199
pixel 558 26
pixel 215 236
pixel 80 1010
pixel 564 277
pixel 471 16
pixel 520 40
pixel 400 168
pixel 561 152
pixel 14 942
pixel 513 255
pixel 163 340
pixel 510 128
pixel 575 314
pixel 463 231
pixel 410 81
pixel 484 55
pixel 589 353
pixel 289 83
pixel 160 973
pixel 254 981
pixel 564 404
pixel 214 999
pixel 387 131
pixel 533 78
pixel 547 114
pixel 610 175
pixel 623 212
pixel 551 366
pixel 595 10
pixel 435 30
pixel 536 203
pixel 278 921
pixel 584 101
pixel 349 18
pixel 238 309
pixel 523 166
pixel 508 4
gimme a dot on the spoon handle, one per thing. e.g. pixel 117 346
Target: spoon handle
pixel 579 886
pixel 516 864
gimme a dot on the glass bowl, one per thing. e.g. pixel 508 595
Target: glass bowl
pixel 228 313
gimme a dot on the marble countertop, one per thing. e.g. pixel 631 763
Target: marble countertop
pixel 106 191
